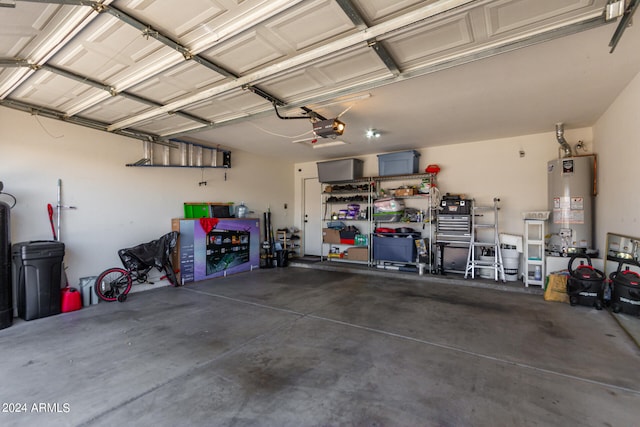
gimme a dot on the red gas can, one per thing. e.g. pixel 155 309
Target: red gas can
pixel 71 299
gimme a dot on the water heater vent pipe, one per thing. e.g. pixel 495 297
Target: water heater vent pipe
pixel 566 148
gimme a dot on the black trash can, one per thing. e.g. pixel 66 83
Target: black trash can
pixel 6 296
pixel 37 274
pixel 282 258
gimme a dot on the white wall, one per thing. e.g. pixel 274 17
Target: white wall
pixel 486 169
pixel 117 206
pixel 617 138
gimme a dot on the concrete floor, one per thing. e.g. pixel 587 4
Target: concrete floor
pixel 299 346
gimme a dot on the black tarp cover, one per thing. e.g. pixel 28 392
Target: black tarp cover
pixel 155 253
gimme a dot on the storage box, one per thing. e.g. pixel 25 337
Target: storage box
pixel 329 235
pixel 358 254
pixel 348 234
pixel 221 210
pixel 388 205
pixel 388 216
pixel 348 237
pixel 340 170
pixel 405 192
pixel 402 249
pixel 400 163
pixel 196 210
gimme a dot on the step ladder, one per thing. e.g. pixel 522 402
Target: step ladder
pixel 485 218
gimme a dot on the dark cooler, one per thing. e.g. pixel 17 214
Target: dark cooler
pixel 37 274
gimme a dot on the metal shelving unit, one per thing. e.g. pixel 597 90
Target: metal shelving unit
pixel 369 190
pixel 423 202
pixel 341 195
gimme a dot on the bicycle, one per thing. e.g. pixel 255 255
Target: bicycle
pixel 114 283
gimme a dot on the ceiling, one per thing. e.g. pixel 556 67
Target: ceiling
pixel 220 72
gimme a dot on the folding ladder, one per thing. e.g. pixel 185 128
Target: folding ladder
pixel 489 224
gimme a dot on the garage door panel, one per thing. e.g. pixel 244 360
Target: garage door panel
pixel 110 46
pixel 245 53
pixel 377 11
pixel 165 124
pixel 178 81
pixel 312 23
pixel 180 20
pixel 507 16
pixel 329 74
pixel 45 88
pixel 234 104
pixel 114 109
pixel 417 47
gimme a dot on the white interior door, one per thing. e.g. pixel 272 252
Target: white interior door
pixel 312 217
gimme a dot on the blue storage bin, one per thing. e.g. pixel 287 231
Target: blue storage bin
pixel 401 249
pixel 400 163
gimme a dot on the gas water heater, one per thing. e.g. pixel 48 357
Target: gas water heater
pixel 571 192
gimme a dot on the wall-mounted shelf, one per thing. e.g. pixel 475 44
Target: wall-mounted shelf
pixel 182 154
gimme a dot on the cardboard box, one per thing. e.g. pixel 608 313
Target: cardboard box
pixel 404 192
pixel 358 253
pixel 329 235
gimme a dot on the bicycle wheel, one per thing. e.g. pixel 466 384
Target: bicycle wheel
pixel 113 283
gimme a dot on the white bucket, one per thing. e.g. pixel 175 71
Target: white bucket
pixel 486 273
pixel 511 264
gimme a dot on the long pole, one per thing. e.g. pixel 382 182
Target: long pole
pixel 59 209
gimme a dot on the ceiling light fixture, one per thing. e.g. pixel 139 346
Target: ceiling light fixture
pixel 373 133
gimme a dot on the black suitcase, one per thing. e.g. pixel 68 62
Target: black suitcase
pixel 625 295
pixel 585 285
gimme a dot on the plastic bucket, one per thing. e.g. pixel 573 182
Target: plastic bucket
pixel 486 273
pixel 511 264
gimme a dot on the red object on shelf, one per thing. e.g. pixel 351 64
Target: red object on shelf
pixel 432 169
pixel 385 230
pixel 71 299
